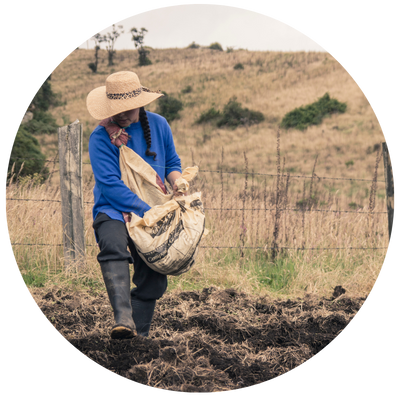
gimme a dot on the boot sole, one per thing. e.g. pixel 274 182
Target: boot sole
pixel 121 332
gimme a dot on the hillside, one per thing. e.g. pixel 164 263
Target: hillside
pixel 335 211
pixel 271 82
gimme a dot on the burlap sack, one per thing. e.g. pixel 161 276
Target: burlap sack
pixel 168 235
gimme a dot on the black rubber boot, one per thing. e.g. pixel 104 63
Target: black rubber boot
pixel 117 280
pixel 142 313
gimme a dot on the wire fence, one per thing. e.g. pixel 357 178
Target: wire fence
pixel 240 172
pixel 239 209
pixel 232 247
pixel 220 209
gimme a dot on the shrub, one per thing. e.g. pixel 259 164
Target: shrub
pixel 374 148
pixel 187 89
pixel 234 115
pixel 208 116
pixel 312 114
pixel 93 67
pixel 216 46
pixel 193 45
pixel 169 107
pixel 238 66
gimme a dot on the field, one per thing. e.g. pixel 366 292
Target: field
pixel 203 341
pixel 297 221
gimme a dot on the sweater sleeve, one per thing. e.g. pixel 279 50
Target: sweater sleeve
pixel 172 160
pixel 104 157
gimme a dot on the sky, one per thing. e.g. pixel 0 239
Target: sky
pixel 179 26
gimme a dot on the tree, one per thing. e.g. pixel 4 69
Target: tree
pixel 43 121
pixel 45 97
pixel 97 40
pixel 138 36
pixel 26 151
pixel 138 39
pixel 110 39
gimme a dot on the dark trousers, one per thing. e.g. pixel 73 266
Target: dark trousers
pixel 114 241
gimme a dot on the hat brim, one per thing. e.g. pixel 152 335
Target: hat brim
pixel 101 107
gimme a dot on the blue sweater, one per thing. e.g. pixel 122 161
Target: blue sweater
pixel 111 195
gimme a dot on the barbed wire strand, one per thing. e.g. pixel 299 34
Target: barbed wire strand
pixel 233 247
pixel 236 172
pixel 296 176
pixel 241 209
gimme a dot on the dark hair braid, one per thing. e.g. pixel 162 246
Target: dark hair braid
pixel 146 131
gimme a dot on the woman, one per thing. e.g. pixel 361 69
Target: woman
pixel 120 105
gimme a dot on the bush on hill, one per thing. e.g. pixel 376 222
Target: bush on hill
pixel 216 46
pixel 232 116
pixel 187 89
pixel 208 116
pixel 169 107
pixel 238 66
pixel 312 114
pixel 193 45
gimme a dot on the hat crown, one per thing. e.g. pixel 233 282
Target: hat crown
pixel 122 82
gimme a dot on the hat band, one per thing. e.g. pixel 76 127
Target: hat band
pixel 129 95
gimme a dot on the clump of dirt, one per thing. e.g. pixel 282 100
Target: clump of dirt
pixel 203 341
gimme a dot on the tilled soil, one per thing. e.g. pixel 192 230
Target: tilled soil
pixel 203 341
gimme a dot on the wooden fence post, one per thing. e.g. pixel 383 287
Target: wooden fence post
pixel 389 186
pixel 70 156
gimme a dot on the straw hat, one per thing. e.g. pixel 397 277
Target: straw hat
pixel 122 92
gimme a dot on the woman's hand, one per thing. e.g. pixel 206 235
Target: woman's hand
pixel 176 192
pixel 172 177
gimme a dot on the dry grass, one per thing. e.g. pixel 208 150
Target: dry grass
pixel 221 261
pixel 343 146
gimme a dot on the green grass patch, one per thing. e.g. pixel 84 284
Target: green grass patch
pixel 34 277
pixel 255 267
pixel 275 275
pixel 41 270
